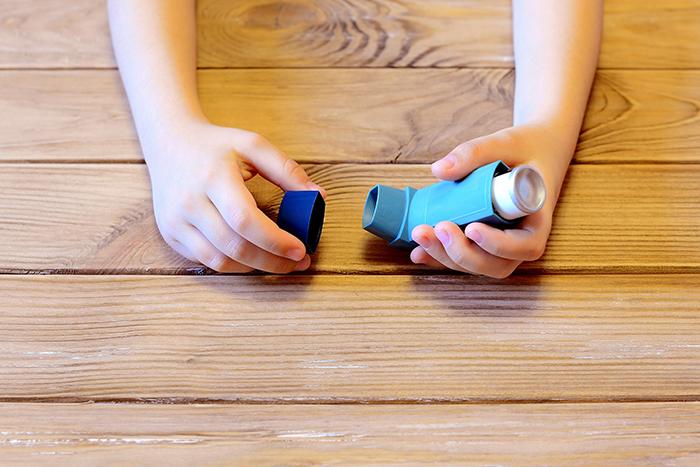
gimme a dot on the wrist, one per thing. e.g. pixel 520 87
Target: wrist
pixel 156 135
pixel 549 145
pixel 561 125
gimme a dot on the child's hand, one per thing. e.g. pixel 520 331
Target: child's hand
pixel 487 250
pixel 203 208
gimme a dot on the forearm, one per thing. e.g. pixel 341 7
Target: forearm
pixel 155 46
pixel 556 46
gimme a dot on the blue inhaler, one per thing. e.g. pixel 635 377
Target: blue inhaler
pixel 492 194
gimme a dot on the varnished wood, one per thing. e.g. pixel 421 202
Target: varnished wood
pixel 367 358
pixel 350 115
pixel 357 33
pixel 65 115
pixel 414 33
pixel 54 34
pixel 98 218
pixel 561 434
pixel 350 338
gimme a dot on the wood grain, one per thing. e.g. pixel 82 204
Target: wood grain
pixel 65 115
pixel 321 115
pixel 356 33
pixel 54 34
pixel 561 434
pixel 333 339
pixel 98 218
pixel 412 33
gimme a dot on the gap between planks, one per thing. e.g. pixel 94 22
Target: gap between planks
pixel 345 401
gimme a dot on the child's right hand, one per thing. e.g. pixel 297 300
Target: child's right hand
pixel 203 208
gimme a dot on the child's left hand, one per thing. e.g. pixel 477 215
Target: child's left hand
pixel 485 250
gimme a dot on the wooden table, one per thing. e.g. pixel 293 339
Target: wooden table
pixel 115 350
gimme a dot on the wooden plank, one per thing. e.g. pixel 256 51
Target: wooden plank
pixel 412 33
pixel 354 338
pixel 98 218
pixel 320 115
pixel 65 115
pixel 359 33
pixel 560 434
pixel 54 34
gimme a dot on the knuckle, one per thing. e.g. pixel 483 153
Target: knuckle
pixel 460 258
pixel 494 249
pixel 167 225
pixel 240 220
pixel 217 262
pixel 293 169
pixel 468 150
pixel 476 263
pixel 188 203
pixel 507 138
pixel 235 248
pixel 254 139
pixel 213 177
pixel 535 252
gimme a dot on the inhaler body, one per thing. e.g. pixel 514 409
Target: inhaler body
pixel 492 194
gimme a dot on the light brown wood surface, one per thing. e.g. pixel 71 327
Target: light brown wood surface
pixel 398 115
pixel 357 33
pixel 350 338
pixel 54 34
pixel 98 217
pixel 586 357
pixel 561 434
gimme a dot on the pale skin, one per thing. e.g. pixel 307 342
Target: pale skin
pixel 204 210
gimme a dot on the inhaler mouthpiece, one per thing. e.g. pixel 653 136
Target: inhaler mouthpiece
pixel 518 193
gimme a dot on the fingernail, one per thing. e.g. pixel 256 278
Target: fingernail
pixel 296 254
pixel 475 235
pixel 313 187
pixel 414 257
pixel 303 264
pixel 444 236
pixel 422 240
pixel 446 163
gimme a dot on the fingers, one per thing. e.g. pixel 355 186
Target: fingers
pixel 182 250
pixel 473 154
pixel 524 244
pixel 449 246
pixel 238 208
pixel 210 223
pixel 275 166
pixel 420 256
pixel 200 249
pixel 469 256
pixel 426 238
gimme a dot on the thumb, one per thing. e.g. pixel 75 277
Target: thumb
pixel 469 156
pixel 276 167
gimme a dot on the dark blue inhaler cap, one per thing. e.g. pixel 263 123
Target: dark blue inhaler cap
pixel 301 214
